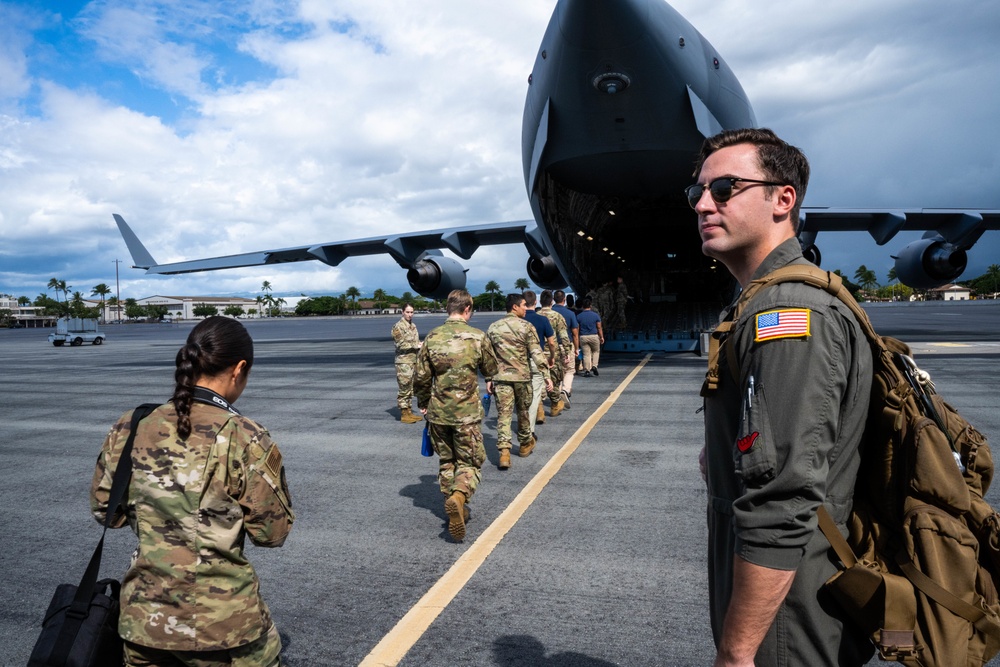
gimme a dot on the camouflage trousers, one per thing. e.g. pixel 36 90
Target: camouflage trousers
pixel 460 456
pixel 557 372
pixel 263 652
pixel 405 368
pixel 512 396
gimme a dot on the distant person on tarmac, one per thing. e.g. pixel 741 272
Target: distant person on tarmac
pixel 407 340
pixel 204 478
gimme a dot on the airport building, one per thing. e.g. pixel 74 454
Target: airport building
pixel 182 307
pixel 950 292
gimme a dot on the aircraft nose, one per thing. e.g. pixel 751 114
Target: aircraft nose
pixel 592 24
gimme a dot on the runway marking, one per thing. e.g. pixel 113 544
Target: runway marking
pixel 397 643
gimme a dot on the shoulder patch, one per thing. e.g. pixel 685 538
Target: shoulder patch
pixel 784 323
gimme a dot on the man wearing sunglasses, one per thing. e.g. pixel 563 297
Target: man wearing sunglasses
pixel 783 438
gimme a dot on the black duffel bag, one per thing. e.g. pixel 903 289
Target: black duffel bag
pixel 80 628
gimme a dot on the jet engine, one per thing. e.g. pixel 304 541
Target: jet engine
pixel 543 272
pixel 929 263
pixel 435 276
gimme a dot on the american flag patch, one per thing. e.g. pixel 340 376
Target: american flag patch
pixel 787 323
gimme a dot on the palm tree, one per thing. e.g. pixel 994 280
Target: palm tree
pixel 993 272
pixel 492 288
pixel 54 286
pixel 521 284
pixel 379 297
pixel 23 301
pixel 113 303
pixel 65 290
pixel 353 294
pixel 865 277
pixel 101 290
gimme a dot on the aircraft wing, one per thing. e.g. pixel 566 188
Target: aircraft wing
pixel 959 226
pixel 406 249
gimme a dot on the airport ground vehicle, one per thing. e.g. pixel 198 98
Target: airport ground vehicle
pixel 76 331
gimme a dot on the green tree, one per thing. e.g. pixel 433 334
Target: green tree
pixel 204 310
pixel 54 286
pixel 102 291
pixel 77 306
pixel 274 306
pixel 133 310
pixel 23 301
pixel 493 289
pixel 353 294
pixel 157 312
pixel 866 278
pixel 233 310
pixel 521 284
pixel 993 274
pixel 380 297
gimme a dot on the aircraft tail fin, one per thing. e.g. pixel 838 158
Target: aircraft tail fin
pixel 140 256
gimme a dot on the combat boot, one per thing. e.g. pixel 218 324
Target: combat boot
pixel 454 507
pixel 504 459
pixel 407 416
pixel 558 407
pixel 525 450
pixel 541 414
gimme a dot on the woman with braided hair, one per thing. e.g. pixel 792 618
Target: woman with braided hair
pixel 204 478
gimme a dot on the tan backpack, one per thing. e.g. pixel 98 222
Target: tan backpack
pixel 922 557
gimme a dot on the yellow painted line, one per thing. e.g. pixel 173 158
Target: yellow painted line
pixel 395 645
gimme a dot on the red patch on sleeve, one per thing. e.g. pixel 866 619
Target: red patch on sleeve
pixel 745 443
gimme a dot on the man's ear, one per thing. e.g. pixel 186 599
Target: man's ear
pixel 784 200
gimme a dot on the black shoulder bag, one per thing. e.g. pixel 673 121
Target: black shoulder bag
pixel 80 628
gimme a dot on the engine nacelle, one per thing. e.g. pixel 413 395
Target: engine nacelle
pixel 434 277
pixel 543 272
pixel 930 263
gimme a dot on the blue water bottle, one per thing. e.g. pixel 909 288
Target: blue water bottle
pixel 425 444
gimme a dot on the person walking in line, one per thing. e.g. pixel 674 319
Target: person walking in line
pixel 591 337
pixel 447 390
pixel 516 345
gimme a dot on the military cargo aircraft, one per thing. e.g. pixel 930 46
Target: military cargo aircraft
pixel 620 98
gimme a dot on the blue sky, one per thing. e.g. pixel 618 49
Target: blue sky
pixel 224 127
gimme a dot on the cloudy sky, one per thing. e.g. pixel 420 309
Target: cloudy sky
pixel 217 127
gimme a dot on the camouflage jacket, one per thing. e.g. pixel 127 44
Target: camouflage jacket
pixel 563 340
pixel 445 382
pixel 407 339
pixel 516 343
pixel 189 586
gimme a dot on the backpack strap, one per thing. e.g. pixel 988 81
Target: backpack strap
pixel 802 273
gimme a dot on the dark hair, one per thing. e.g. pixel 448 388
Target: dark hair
pixel 215 344
pixel 778 160
pixel 545 298
pixel 529 298
pixel 559 296
pixel 586 302
pixel 514 299
pixel 458 301
pixel 570 300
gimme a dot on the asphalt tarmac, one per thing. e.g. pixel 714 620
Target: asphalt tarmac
pixel 588 553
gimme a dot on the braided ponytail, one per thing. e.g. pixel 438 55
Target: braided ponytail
pixel 215 344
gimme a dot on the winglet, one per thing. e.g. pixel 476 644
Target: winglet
pixel 141 256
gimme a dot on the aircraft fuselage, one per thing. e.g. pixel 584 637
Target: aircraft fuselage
pixel 618 105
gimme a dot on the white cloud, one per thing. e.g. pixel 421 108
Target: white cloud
pixel 366 118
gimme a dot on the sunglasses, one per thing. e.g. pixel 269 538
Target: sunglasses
pixel 721 189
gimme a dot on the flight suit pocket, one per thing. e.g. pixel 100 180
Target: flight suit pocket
pixel 753 451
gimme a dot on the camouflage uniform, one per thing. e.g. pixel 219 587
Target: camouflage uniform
pixel 191 503
pixel 446 385
pixel 516 344
pixel 407 345
pixel 564 350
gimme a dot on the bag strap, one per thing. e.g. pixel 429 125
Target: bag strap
pixel 80 607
